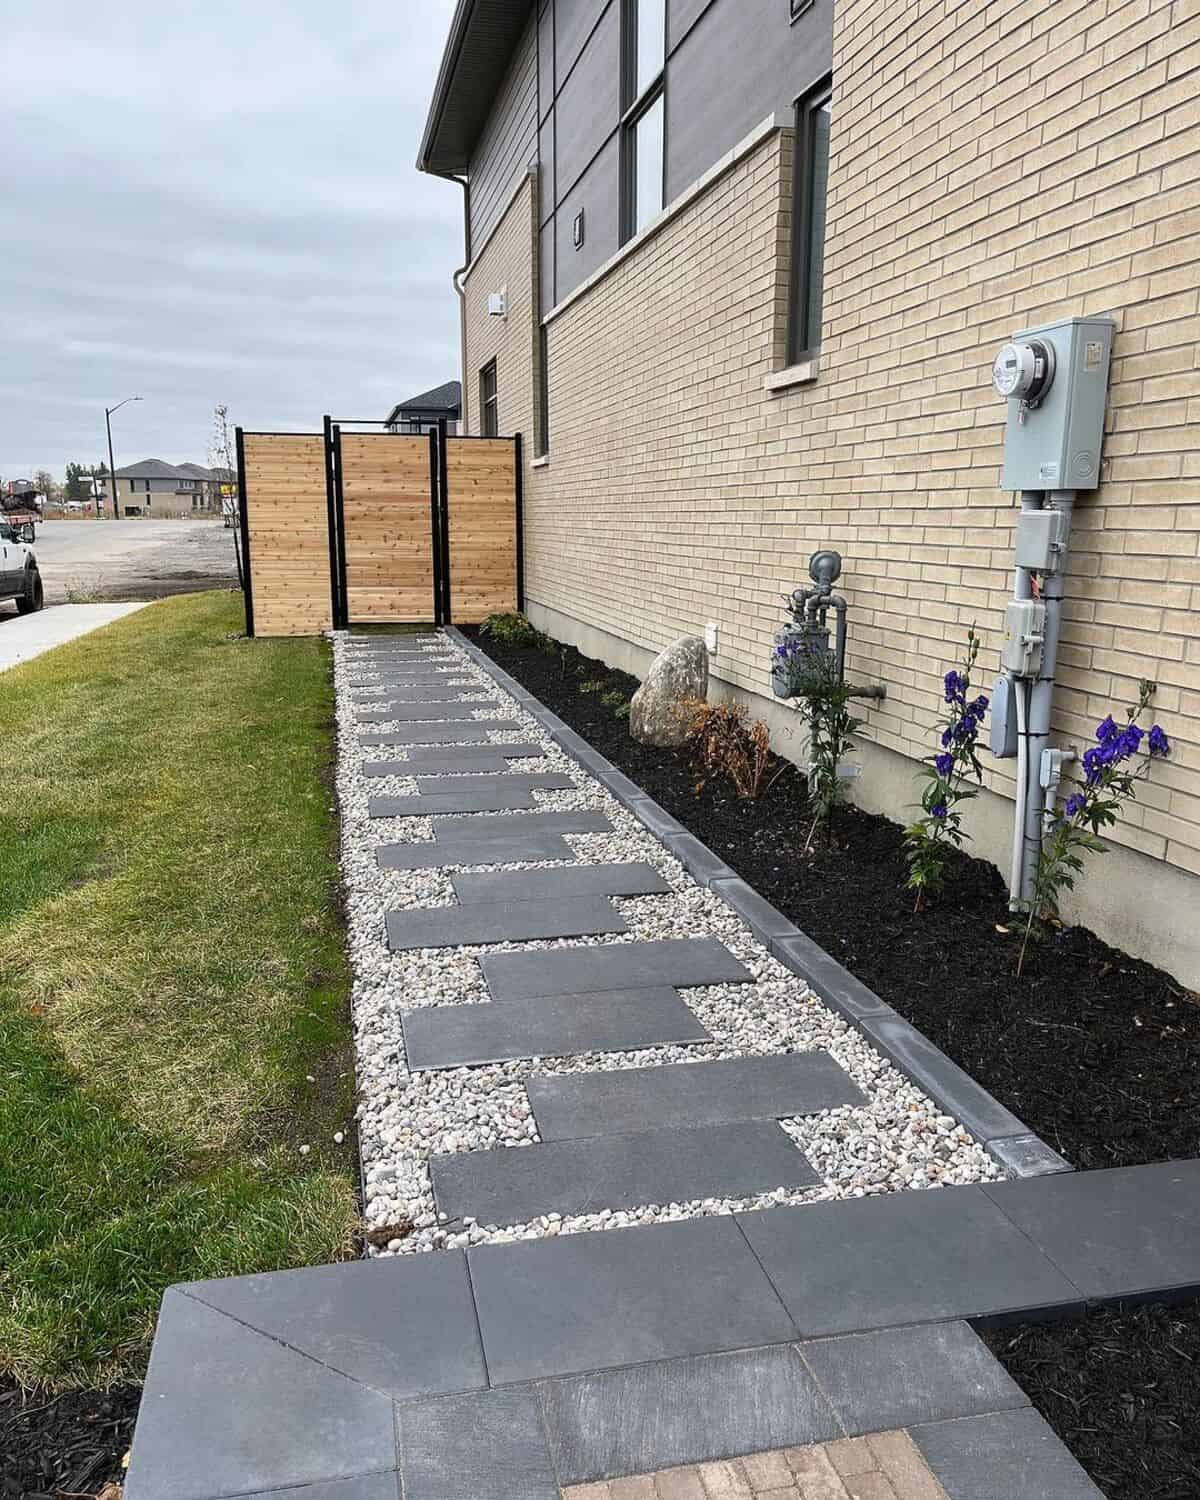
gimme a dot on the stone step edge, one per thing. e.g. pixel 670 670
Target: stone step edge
pixel 1007 1139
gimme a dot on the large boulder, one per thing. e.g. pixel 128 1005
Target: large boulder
pixel 657 715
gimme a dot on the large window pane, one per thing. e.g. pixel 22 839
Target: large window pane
pixel 651 43
pixel 648 165
pixel 817 187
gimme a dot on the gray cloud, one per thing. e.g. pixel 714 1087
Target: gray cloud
pixel 216 204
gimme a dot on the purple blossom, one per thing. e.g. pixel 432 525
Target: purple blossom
pixel 1107 731
pixel 938 811
pixel 954 687
pixel 1159 743
pixel 1076 804
pixel 979 707
pixel 943 765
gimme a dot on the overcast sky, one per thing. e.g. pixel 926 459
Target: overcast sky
pixel 216 203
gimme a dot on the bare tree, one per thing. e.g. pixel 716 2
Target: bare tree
pixel 222 456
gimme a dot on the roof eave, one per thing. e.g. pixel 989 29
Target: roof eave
pixel 494 40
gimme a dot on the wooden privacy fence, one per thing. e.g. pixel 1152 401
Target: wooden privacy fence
pixel 343 528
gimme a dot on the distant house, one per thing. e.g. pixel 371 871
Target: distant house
pixel 422 413
pixel 157 488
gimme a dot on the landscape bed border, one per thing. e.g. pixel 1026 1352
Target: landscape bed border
pixel 1007 1139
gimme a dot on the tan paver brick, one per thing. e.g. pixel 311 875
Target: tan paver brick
pixel 641 1487
pixel 724 1481
pixel 679 1484
pixel 588 1492
pixel 767 1471
pixel 849 1456
pixel 872 1487
pixel 901 1460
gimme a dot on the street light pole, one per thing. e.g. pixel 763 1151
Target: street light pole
pixel 112 473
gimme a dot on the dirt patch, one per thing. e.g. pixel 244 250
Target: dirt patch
pixel 1097 1052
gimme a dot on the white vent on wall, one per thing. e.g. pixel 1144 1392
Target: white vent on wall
pixel 498 303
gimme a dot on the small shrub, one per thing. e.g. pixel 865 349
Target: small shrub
pixel 720 742
pixel 831 731
pixel 513 629
pixel 1108 784
pixel 594 686
pixel 617 701
pixel 622 713
pixel 953 776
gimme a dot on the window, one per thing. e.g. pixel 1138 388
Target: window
pixel 643 156
pixel 489 414
pixel 542 435
pixel 808 222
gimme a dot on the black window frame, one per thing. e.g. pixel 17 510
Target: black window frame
pixel 634 107
pixel 804 342
pixel 489 403
pixel 542 434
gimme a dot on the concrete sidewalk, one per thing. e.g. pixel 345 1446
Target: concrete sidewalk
pixel 22 637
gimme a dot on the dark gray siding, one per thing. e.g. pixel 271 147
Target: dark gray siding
pixel 741 61
pixel 509 141
pixel 730 64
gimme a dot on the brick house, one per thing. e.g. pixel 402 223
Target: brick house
pixel 738 269
pixel 154 487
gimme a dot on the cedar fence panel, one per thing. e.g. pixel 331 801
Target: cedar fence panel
pixel 483 527
pixel 285 524
pixel 387 526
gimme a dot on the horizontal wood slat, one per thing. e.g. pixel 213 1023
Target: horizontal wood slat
pixel 481 488
pixel 289 532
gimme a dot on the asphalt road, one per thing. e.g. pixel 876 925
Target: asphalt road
pixel 86 561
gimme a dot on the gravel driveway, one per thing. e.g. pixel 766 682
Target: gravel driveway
pixel 87 561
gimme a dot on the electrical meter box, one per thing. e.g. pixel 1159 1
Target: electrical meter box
pixel 1024 635
pixel 1055 443
pixel 1041 540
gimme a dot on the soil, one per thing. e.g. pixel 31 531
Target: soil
pixel 1097 1052
pixel 70 1444
pixel 1121 1389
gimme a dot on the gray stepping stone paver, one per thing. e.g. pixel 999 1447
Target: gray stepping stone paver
pixel 917 1257
pixel 435 758
pixel 675 962
pixel 228 1411
pixel 577 1105
pixel 501 922
pixel 899 1377
pixel 443 853
pixel 683 1411
pixel 422 713
pixel 579 1302
pixel 455 1036
pixel 581 820
pixel 490 1446
pixel 406 1327
pixel 438 734
pixel 418 692
pixel 470 793
pixel 1003 1456
pixel 1123 1232
pixel 542 885
pixel 513 1184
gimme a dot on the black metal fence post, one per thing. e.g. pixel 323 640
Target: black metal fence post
pixel 244 529
pixel 339 506
pixel 519 519
pixel 336 601
pixel 444 523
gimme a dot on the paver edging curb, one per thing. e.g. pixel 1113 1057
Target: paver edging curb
pixel 1006 1138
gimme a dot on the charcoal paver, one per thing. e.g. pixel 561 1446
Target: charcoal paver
pixel 1123 1232
pixel 363 1487
pixel 228 1411
pixel 577 1105
pixel 917 1257
pixel 444 853
pixel 502 922
pixel 406 1326
pixel 493 764
pixel 421 713
pixel 438 734
pixel 1010 1455
pixel 901 1376
pixel 672 961
pixel 540 885
pixel 513 1184
pixel 453 1036
pixel 507 792
pixel 580 820
pixel 490 1446
pixel 418 692
pixel 434 758
pixel 582 1302
pixel 683 1411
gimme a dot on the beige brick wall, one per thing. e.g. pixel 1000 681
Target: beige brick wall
pixel 992 167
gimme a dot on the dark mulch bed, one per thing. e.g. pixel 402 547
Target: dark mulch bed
pixel 1097 1052
pixel 1121 1389
pixel 69 1444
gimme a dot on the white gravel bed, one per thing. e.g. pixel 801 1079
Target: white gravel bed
pixel 898 1138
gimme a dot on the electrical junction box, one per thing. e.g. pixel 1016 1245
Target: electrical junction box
pixel 1055 444
pixel 1041 540
pixel 1002 720
pixel 1024 633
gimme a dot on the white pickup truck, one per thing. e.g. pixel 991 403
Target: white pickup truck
pixel 19 576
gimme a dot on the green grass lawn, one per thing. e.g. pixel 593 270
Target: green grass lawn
pixel 173 986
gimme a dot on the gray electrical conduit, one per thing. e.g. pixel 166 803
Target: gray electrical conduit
pixel 1022 589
